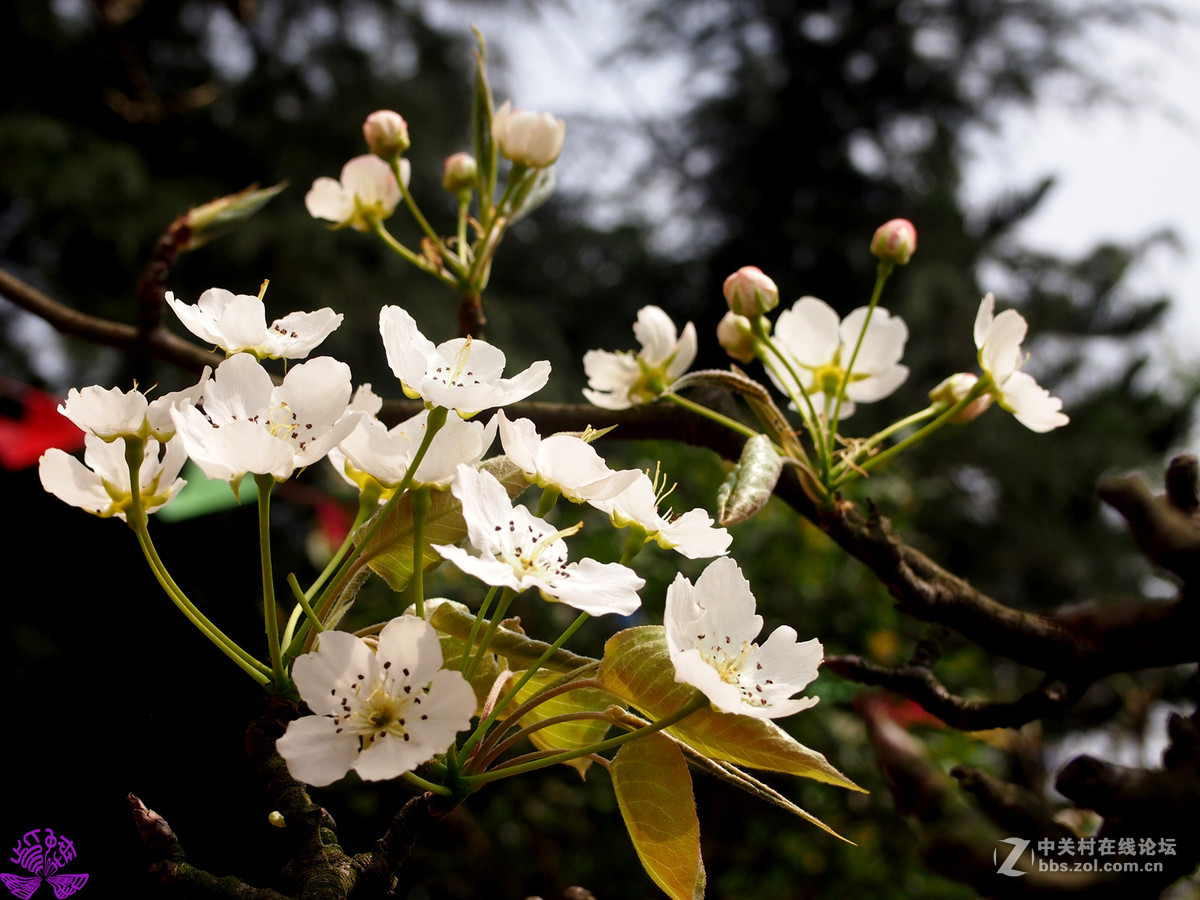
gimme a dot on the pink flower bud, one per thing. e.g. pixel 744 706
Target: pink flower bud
pixel 386 133
pixel 528 138
pixel 735 334
pixel 956 388
pixel 460 173
pixel 750 293
pixel 895 241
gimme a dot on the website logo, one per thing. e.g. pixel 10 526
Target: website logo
pixel 42 853
pixel 1008 867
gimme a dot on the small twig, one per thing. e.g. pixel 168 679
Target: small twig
pixel 919 684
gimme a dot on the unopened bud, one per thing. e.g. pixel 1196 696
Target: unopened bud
pixel 955 389
pixel 895 241
pixel 386 133
pixel 460 173
pixel 528 138
pixel 736 335
pixel 750 293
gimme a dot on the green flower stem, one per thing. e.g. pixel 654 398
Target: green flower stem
pixel 880 436
pixel 477 277
pixel 464 206
pixel 137 520
pixel 634 543
pixel 486 756
pixel 419 261
pixel 512 692
pixel 790 377
pixel 454 264
pixel 415 779
pixel 420 507
pixel 711 414
pixel 467 668
pixel 368 502
pixel 506 600
pixel 519 767
pixel 980 387
pixel 550 495
pixel 486 752
pixel 265 484
pixel 882 271
pixel 433 424
pixel 302 606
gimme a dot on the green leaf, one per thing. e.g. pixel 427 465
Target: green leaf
pixel 572 735
pixel 481 131
pixel 214 218
pixel 638 669
pixel 521 651
pixel 749 485
pixel 390 551
pixel 537 189
pixel 654 791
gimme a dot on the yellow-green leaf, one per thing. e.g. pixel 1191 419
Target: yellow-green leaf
pixel 520 650
pixel 573 735
pixel 390 550
pixel 638 669
pixel 654 791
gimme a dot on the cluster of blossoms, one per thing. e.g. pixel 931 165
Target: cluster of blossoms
pixel 825 366
pixel 384 704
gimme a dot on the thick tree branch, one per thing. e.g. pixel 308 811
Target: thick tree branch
pixel 170 870
pixel 157 342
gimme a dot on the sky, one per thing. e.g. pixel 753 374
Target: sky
pixel 1123 172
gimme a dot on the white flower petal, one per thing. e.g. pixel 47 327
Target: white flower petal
pixel 461 374
pixel 983 318
pixel 808 331
pixel 341 659
pixel 621 380
pixel 710 630
pixel 315 752
pixel 1001 354
pixel 326 199
pixel 384 712
pixel 1032 404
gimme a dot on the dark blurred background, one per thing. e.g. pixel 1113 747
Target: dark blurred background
pixel 816 122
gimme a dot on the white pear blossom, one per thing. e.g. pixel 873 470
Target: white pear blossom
pixel 999 341
pixel 693 533
pixel 237 323
pixel 711 629
pixel 385 455
pixel 819 349
pixel 562 461
pixel 250 425
pixel 527 138
pixel 380 712
pixel 100 484
pixel 461 374
pixel 519 551
pixel 113 413
pixel 368 191
pixel 622 380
